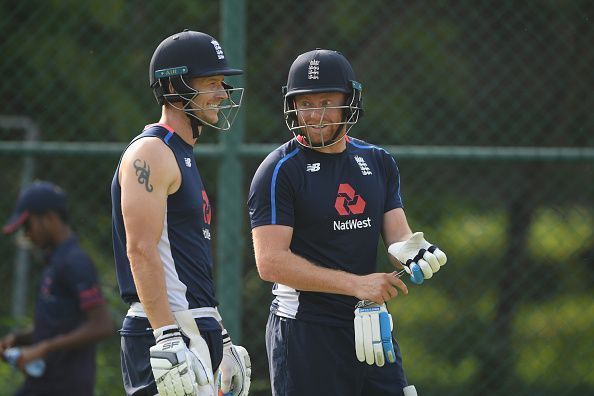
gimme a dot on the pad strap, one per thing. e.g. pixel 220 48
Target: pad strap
pixel 137 310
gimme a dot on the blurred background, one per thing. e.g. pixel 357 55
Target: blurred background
pixel 486 105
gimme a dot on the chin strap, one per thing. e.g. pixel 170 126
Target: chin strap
pixel 195 124
pixel 339 129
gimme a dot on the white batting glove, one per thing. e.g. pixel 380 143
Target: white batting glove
pixel 235 369
pixel 373 333
pixel 177 371
pixel 419 258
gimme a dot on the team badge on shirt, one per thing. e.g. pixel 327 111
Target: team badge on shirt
pixel 365 171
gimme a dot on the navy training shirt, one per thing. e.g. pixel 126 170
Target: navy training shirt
pixel 68 288
pixel 184 247
pixel 335 204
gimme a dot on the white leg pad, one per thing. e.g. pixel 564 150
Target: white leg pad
pixel 198 346
pixel 410 391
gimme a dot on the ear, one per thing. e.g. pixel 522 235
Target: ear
pixel 170 89
pixel 51 219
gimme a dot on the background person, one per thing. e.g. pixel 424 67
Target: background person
pixel 71 314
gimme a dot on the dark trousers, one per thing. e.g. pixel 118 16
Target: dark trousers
pixel 312 359
pixel 136 340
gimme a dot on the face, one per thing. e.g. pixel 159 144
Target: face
pixel 37 229
pixel 211 94
pixel 318 115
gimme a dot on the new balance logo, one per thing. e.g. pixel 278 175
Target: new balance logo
pixel 365 171
pixel 313 167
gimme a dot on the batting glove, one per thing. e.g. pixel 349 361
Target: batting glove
pixel 373 333
pixel 419 258
pixel 235 368
pixel 177 371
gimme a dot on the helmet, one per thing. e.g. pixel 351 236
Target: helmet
pixel 316 71
pixel 187 55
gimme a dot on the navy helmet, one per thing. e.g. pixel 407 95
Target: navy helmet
pixel 317 71
pixel 187 55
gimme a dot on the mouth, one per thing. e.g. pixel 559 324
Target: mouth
pixel 318 126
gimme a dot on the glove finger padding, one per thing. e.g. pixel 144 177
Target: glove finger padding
pixel 175 368
pixel 373 334
pixel 416 275
pixel 441 256
pixel 432 261
pixel 419 258
pixel 235 370
pixel 426 268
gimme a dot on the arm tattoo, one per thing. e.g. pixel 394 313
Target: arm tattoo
pixel 143 172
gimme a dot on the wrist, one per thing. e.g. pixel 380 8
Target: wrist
pixel 352 284
pixel 166 332
pixel 226 339
pixel 44 347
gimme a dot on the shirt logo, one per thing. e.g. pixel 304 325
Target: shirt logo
pixel 365 171
pixel 207 213
pixel 206 208
pixel 313 167
pixel 313 71
pixel 348 202
pixel 218 49
pixel 46 286
pixel 188 162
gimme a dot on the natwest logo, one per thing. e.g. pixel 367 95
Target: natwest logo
pixel 348 202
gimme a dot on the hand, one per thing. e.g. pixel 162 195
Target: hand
pixel 31 353
pixel 373 334
pixel 176 369
pixel 6 342
pixel 419 258
pixel 235 368
pixel 379 287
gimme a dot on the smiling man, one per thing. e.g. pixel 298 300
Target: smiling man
pixel 173 341
pixel 318 205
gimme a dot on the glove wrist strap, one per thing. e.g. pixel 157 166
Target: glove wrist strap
pixel 166 332
pixel 226 338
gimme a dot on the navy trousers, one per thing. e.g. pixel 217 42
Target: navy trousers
pixel 311 359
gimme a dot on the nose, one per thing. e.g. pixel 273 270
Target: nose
pixel 314 115
pixel 222 93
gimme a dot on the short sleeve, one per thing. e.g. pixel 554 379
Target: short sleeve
pixel 393 198
pixel 271 193
pixel 80 277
